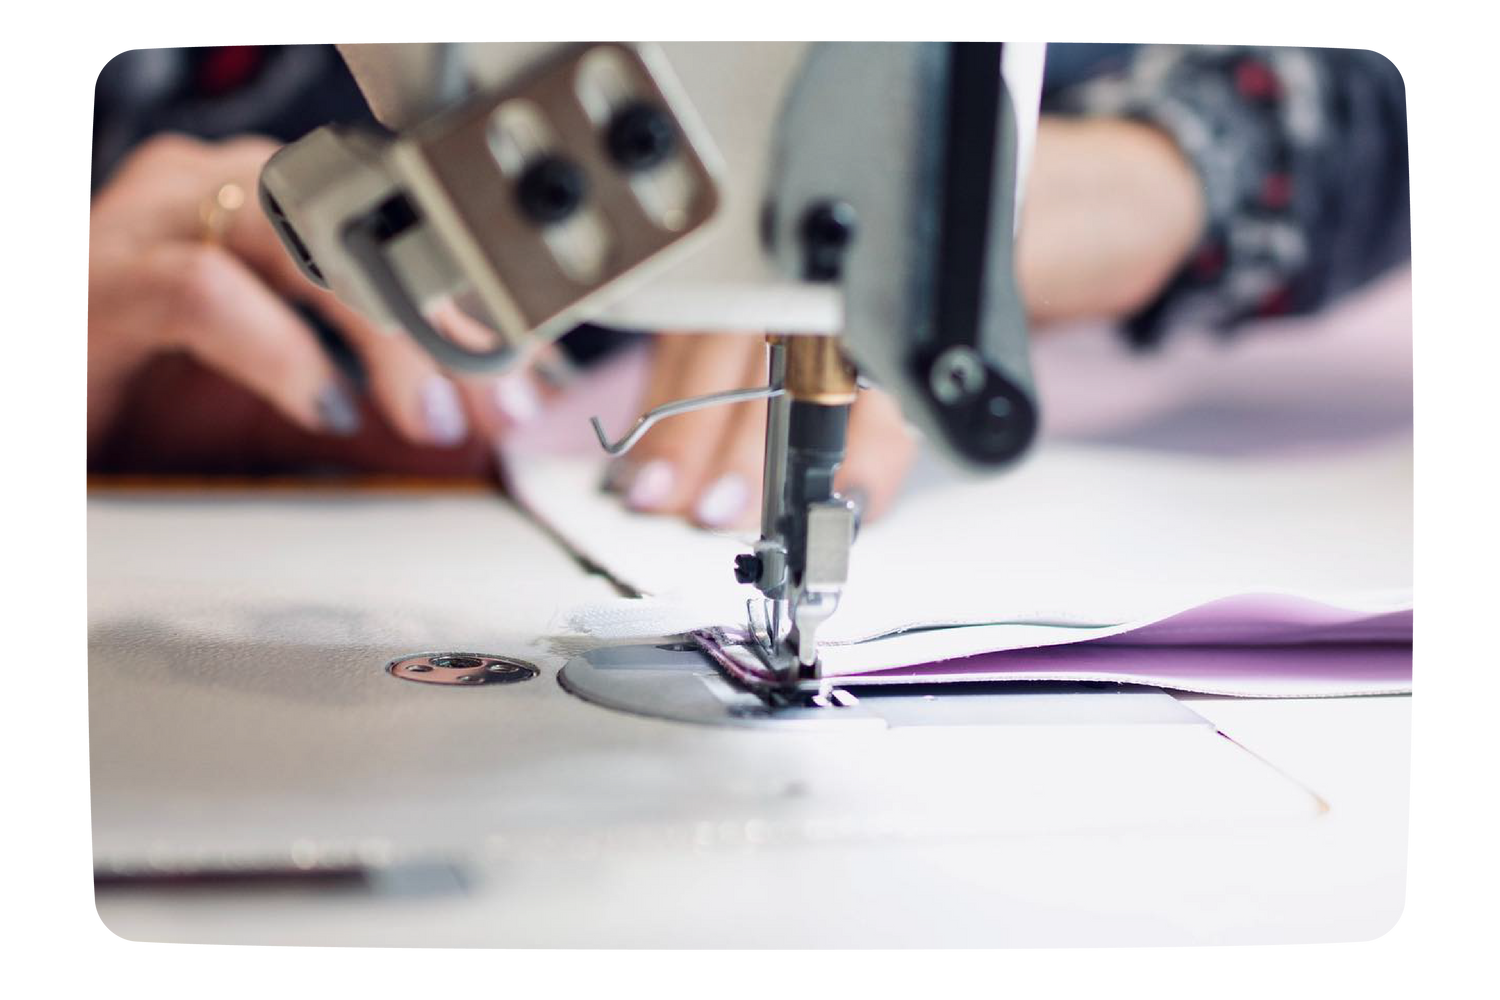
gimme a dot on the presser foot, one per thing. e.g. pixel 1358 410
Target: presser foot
pixel 785 641
pixel 677 680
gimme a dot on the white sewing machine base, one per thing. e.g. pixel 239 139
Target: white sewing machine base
pixel 258 775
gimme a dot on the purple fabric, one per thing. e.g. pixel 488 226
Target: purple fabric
pixel 1254 645
pixel 1305 671
pixel 1269 619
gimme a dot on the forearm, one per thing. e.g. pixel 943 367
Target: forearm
pixel 1111 210
pixel 1299 157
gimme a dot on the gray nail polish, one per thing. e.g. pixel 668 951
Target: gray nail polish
pixel 337 411
pixel 443 411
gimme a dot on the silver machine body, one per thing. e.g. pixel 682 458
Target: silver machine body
pixel 863 192
pixel 751 128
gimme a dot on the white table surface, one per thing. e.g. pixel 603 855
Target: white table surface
pixel 351 578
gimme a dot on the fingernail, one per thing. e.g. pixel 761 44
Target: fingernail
pixel 651 485
pixel 443 411
pixel 723 502
pixel 337 411
pixel 517 399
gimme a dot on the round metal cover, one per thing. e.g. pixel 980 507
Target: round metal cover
pixel 461 669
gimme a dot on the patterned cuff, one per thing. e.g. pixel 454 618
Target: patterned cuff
pixel 1246 119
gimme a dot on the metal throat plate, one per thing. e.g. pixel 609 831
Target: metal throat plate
pixel 677 680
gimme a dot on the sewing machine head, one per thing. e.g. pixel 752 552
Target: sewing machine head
pixel 858 201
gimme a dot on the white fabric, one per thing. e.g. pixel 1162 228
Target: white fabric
pixel 1280 464
pixel 1080 542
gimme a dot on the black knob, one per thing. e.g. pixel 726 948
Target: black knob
pixel 640 136
pixel 747 567
pixel 827 230
pixel 551 189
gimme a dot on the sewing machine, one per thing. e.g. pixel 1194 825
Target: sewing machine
pixel 856 201
pixel 263 770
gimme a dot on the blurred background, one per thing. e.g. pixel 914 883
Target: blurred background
pixel 1214 255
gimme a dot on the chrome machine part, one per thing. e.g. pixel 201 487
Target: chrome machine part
pixel 737 87
pixel 815 531
pixel 930 174
pixel 678 681
pixel 461 669
pixel 724 98
pixel 816 526
pixel 767 567
pixel 675 408
pixel 885 215
pixel 913 224
pixel 534 203
pixel 830 532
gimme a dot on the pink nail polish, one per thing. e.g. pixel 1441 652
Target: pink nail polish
pixel 443 411
pixel 651 485
pixel 517 399
pixel 723 502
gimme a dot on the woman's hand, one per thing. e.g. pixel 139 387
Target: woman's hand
pixel 706 465
pixel 1112 208
pixel 171 273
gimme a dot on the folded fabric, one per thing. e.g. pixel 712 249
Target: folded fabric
pixel 1078 536
pixel 1258 646
pixel 1088 545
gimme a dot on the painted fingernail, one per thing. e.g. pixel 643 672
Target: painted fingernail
pixel 337 411
pixel 723 502
pixel 443 411
pixel 517 399
pixel 651 485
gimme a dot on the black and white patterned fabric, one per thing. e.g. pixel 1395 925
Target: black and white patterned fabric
pixel 1302 152
pixel 280 91
pixel 1303 159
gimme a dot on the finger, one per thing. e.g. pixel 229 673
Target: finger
pixel 226 317
pixel 665 472
pixel 539 372
pixel 879 452
pixel 417 400
pixel 729 496
pixel 175 175
pixel 424 405
pixel 462 329
pixel 502 403
pixel 730 493
pixel 202 174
